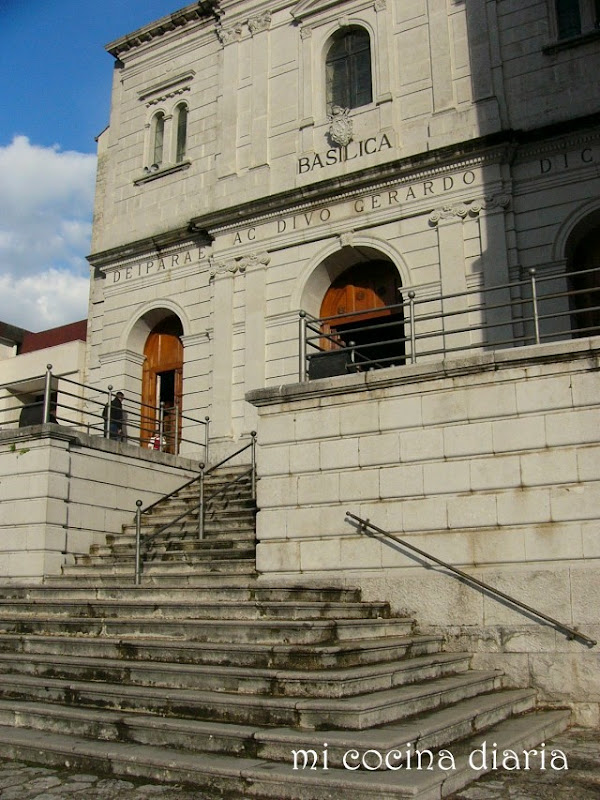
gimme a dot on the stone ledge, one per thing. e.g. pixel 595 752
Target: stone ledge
pixel 528 356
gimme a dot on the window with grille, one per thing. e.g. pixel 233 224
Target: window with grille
pixel 348 69
pixel 159 139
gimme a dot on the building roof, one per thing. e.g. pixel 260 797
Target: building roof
pixel 12 334
pixel 74 331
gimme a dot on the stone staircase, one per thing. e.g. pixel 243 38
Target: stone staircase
pixel 206 674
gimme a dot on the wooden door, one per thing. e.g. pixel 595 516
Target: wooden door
pixel 162 381
pixel 369 288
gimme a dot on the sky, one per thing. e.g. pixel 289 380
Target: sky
pixel 56 80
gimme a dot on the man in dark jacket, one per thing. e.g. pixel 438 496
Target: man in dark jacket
pixel 114 430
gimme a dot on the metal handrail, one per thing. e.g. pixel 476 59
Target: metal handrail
pixel 524 318
pixel 87 402
pixel 203 500
pixel 572 633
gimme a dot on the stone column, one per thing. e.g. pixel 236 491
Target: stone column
pixel 259 27
pixel 227 160
pixel 307 112
pixel 222 373
pixel 441 63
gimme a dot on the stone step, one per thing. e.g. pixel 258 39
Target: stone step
pixel 210 630
pixel 346 682
pixel 209 556
pixel 108 577
pixel 259 593
pixel 233 537
pixel 356 712
pixel 432 731
pixel 168 569
pixel 193 609
pixel 252 778
pixel 277 656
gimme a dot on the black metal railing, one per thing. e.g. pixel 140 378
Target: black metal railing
pixel 203 499
pixel 550 307
pixel 365 526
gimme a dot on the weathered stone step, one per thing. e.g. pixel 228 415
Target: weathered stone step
pixel 432 731
pixel 151 555
pixel 210 630
pixel 355 712
pixel 284 656
pixel 232 537
pixel 193 609
pixel 345 682
pixel 250 779
pixel 171 569
pixel 260 593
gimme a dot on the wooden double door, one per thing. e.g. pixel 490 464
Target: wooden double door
pixel 162 386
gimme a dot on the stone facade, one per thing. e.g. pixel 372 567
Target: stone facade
pixel 233 194
pixel 476 160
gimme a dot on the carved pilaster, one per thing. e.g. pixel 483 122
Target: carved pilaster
pixel 228 35
pixel 471 209
pixel 240 264
pixel 259 23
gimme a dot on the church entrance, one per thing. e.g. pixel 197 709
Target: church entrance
pixel 584 266
pixel 162 386
pixel 362 310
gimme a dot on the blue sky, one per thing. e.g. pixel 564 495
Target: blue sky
pixel 56 80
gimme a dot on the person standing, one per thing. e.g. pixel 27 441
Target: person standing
pixel 113 422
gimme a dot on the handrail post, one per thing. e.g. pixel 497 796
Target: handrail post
pixel 138 541
pixel 413 336
pixel 108 412
pixel 206 437
pixel 302 348
pixel 161 424
pixel 534 301
pixel 176 443
pixel 201 503
pixel 47 393
pixel 253 452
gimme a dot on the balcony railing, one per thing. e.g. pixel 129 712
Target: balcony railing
pixel 89 409
pixel 541 308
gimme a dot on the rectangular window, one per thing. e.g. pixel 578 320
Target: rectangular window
pixel 576 17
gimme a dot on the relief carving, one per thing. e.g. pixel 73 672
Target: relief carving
pixel 472 209
pixel 240 264
pixel 259 23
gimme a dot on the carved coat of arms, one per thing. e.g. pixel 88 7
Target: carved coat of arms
pixel 340 126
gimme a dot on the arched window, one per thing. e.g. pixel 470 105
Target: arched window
pixel 348 69
pixel 181 141
pixel 158 138
pixel 575 17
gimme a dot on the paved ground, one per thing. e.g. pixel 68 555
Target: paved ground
pixel 20 781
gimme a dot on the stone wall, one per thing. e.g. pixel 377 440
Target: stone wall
pixel 61 492
pixel 491 463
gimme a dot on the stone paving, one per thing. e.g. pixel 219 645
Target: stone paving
pixel 20 781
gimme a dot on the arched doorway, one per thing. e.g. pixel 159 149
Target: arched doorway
pixel 162 384
pixel 583 264
pixel 362 311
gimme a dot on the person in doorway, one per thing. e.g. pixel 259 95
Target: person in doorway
pixel 114 430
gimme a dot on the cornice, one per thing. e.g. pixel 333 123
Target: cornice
pixel 202 10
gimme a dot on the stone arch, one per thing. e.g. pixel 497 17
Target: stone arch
pixel 582 256
pixel 358 287
pixel 156 337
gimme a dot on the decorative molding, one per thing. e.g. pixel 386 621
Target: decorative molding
pixel 166 89
pixel 239 264
pixel 306 32
pixel 346 239
pixel 203 11
pixel 229 35
pixel 259 23
pixel 341 130
pixel 380 5
pixel 167 96
pixel 471 209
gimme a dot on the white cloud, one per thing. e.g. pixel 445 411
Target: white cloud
pixel 46 199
